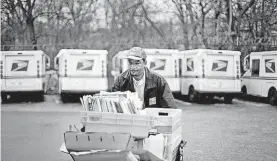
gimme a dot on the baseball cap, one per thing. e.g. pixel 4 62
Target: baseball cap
pixel 136 53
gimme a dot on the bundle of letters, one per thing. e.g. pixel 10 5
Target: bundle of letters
pixel 113 102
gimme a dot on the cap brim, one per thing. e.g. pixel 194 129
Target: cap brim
pixel 133 58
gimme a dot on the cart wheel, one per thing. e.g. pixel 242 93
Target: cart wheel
pixel 180 153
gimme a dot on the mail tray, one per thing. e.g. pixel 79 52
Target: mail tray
pixel 166 120
pixel 135 124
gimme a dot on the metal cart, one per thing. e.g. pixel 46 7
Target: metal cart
pixel 111 147
pixel 110 137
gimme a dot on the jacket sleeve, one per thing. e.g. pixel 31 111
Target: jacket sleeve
pixel 168 96
pixel 116 86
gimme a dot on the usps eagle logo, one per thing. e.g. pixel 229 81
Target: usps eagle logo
pixel 190 66
pixel 158 64
pixel 269 66
pixel 220 65
pixel 85 65
pixel 20 65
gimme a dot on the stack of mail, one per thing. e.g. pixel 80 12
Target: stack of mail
pixel 113 102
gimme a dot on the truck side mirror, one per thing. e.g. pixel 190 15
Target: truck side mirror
pixel 246 63
pixel 56 63
pixel 113 72
pixel 47 62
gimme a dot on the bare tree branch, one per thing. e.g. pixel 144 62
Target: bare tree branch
pixel 246 8
pixel 151 22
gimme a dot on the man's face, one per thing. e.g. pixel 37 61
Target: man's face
pixel 136 67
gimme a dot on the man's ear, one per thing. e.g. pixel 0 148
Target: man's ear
pixel 145 62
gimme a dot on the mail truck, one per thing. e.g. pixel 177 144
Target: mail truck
pixel 207 73
pixel 23 73
pixel 81 71
pixel 165 62
pixel 260 78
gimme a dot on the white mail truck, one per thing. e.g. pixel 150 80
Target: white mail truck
pixel 165 62
pixel 81 72
pixel 207 73
pixel 23 74
pixel 260 78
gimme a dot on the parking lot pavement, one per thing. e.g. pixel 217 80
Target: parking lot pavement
pixel 52 103
pixel 240 131
pixel 252 103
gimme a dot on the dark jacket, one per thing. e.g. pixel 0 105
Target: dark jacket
pixel 156 91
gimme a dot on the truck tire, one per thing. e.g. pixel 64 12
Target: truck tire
pixel 272 97
pixel 192 94
pixel 228 99
pixel 64 97
pixel 39 97
pixel 244 92
pixel 4 97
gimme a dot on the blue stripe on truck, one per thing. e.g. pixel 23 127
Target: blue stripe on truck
pixel 22 77
pixel 82 76
pixel 210 77
pixel 264 78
